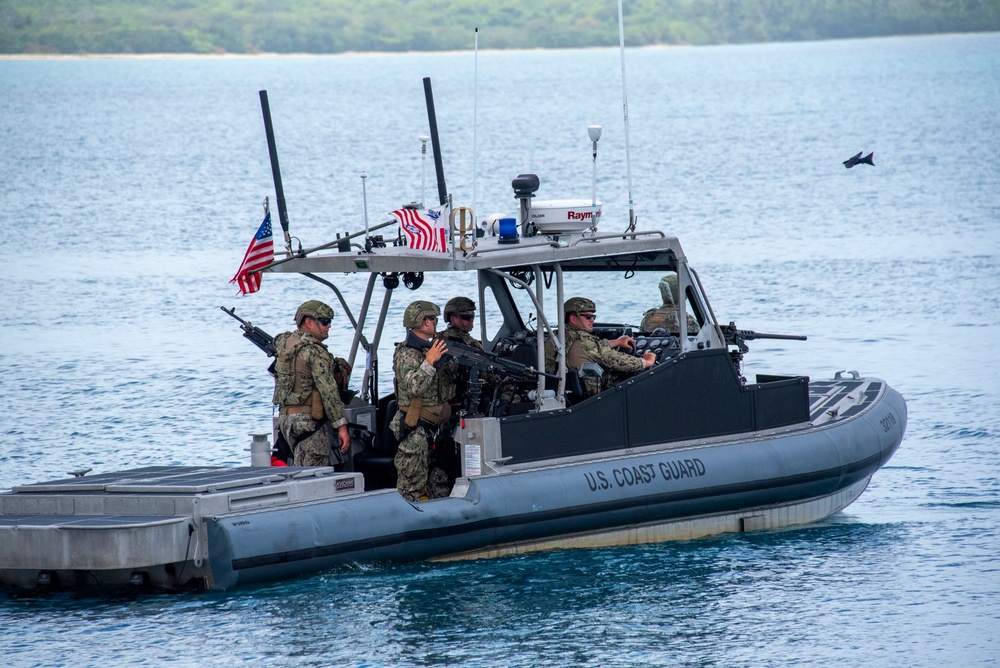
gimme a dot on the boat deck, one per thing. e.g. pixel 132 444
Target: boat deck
pixel 155 511
pixel 841 398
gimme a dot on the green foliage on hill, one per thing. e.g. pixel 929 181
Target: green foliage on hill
pixel 330 26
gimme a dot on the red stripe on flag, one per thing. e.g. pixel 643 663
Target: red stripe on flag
pixel 259 254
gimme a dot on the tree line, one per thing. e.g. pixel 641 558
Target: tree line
pixel 335 26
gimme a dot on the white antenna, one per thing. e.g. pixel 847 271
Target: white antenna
pixel 595 133
pixel 475 119
pixel 628 160
pixel 423 168
pixel 364 196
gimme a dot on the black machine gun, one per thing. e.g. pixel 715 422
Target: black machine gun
pixel 739 337
pixel 477 360
pixel 257 336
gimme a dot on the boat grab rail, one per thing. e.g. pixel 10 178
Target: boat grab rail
pixel 483 251
pixel 598 237
pixel 626 235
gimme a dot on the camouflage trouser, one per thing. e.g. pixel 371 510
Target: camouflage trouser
pixel 414 474
pixel 313 451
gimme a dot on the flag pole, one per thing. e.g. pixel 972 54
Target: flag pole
pixel 450 230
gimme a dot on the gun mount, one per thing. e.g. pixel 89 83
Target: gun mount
pixel 739 337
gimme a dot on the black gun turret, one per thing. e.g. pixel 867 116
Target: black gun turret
pixel 257 336
pixel 738 337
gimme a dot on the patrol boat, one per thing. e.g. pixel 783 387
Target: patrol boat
pixel 686 448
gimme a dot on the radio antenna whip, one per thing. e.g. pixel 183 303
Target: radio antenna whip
pixel 364 197
pixel 475 119
pixel 628 160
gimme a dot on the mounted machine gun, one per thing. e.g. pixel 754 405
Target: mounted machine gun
pixel 739 337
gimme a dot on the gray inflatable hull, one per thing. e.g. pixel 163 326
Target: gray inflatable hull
pixel 220 527
pixel 680 491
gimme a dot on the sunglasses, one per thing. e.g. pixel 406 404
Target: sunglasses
pixel 588 316
pixel 467 317
pixel 431 317
pixel 324 321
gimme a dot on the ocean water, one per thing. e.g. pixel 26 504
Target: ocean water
pixel 130 188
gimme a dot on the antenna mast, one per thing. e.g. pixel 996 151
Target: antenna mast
pixel 475 120
pixel 628 159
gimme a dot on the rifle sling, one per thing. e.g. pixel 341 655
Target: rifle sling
pixel 319 425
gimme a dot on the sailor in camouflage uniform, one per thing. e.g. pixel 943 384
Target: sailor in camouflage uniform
pixel 422 396
pixel 584 347
pixel 665 316
pixel 306 391
pixel 460 315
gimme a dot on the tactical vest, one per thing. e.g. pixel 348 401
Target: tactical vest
pixel 293 382
pixel 432 405
pixel 665 317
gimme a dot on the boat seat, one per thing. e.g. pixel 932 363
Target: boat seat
pixel 377 462
pixel 574 388
pixel 526 354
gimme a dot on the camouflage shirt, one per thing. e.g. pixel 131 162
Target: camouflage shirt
pixel 304 364
pixel 583 347
pixel 453 333
pixel 415 378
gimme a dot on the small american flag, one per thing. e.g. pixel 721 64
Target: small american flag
pixel 424 230
pixel 258 255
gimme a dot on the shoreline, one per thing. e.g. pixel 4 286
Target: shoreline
pixel 269 54
pixel 263 54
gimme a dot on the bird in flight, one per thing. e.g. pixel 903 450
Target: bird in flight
pixel 858 160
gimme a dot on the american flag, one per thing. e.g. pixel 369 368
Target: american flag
pixel 258 255
pixel 424 230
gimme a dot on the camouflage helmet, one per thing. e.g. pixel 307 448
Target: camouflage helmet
pixel 578 305
pixel 415 313
pixel 668 289
pixel 313 308
pixel 457 305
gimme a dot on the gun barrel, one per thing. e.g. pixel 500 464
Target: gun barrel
pixel 750 335
pixel 256 335
pixel 232 312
